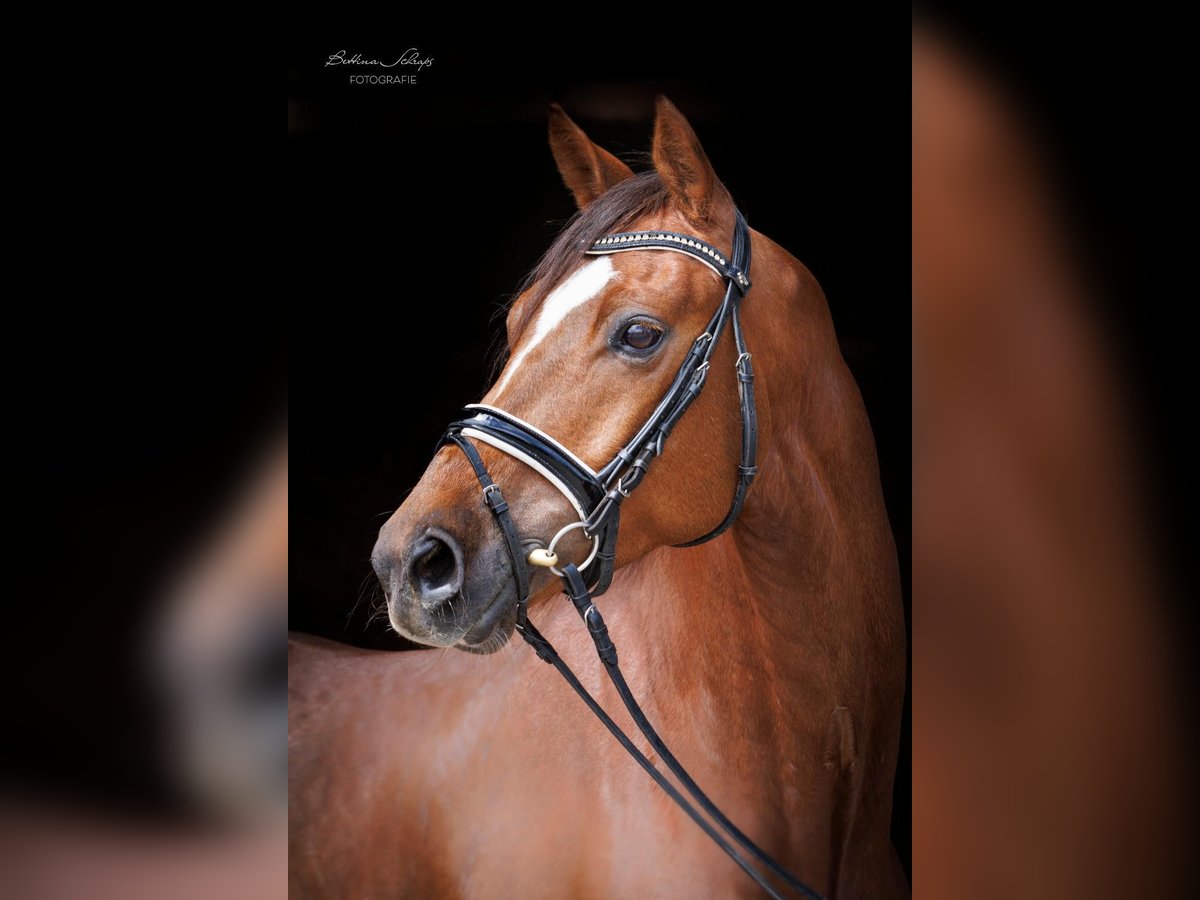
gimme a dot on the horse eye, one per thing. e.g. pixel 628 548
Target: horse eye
pixel 641 336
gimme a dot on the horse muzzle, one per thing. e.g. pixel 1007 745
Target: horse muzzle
pixel 445 592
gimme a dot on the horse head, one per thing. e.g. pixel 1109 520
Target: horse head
pixel 594 341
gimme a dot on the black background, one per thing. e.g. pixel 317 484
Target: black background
pixel 414 211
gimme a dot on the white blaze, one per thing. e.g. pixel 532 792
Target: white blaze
pixel 582 286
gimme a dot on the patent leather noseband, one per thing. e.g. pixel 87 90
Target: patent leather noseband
pixel 596 497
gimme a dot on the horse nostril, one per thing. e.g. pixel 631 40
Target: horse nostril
pixel 435 567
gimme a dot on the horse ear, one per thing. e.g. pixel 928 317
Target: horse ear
pixel 587 170
pixel 683 165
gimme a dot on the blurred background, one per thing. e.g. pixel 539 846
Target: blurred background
pixel 1054 728
pixel 143 750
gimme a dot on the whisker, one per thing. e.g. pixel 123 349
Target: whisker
pixel 365 588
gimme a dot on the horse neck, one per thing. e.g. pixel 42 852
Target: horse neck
pixel 748 613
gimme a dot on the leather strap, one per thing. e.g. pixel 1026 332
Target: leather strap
pixel 586 606
pixel 545 650
pixel 748 466
pixel 494 500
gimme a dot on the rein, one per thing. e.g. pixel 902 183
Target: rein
pixel 596 497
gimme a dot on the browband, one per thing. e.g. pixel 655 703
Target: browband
pixel 624 241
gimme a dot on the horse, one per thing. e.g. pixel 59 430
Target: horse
pixel 771 658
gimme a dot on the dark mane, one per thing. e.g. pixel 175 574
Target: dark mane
pixel 615 210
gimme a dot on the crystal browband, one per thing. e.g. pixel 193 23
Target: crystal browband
pixel 679 243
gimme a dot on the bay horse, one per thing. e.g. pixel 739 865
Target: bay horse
pixel 772 658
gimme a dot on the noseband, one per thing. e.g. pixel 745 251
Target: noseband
pixel 596 497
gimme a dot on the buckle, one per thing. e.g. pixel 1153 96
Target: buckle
pixel 493 497
pixel 745 372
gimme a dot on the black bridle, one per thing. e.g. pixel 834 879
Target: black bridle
pixel 597 496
